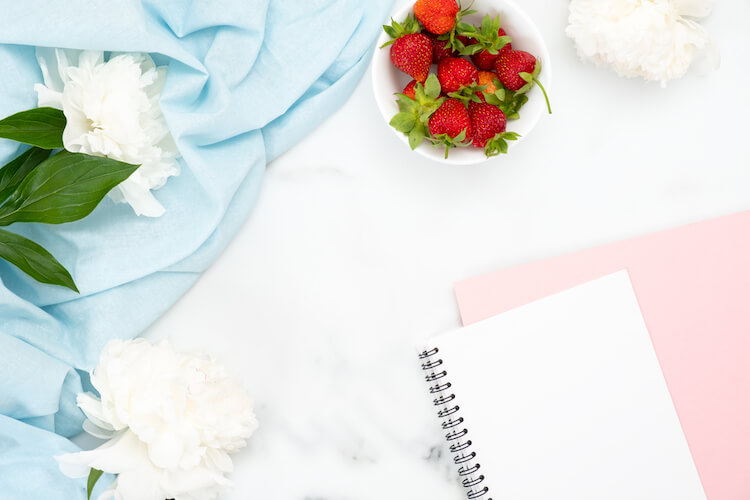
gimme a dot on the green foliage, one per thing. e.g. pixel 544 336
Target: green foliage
pixel 396 30
pixel 64 188
pixel 94 476
pixel 414 114
pixel 469 93
pixel 34 260
pixel 510 103
pixel 37 187
pixel 499 144
pixel 486 36
pixel 14 172
pixel 41 127
pixel 448 142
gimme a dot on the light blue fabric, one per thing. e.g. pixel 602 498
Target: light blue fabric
pixel 247 79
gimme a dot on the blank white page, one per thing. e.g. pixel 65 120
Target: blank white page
pixel 564 399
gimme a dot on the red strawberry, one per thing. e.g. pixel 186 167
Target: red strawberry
pixel 450 125
pixel 484 60
pixel 411 51
pixel 510 64
pixel 412 54
pixel 488 125
pixel 451 118
pixel 455 73
pixel 486 122
pixel 409 89
pixel 518 70
pixel 437 16
pixel 440 50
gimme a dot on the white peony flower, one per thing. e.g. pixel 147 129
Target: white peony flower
pixel 646 38
pixel 112 109
pixel 171 421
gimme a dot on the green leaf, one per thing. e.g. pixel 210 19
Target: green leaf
pixel 498 144
pixel 34 260
pixel 496 24
pixel 525 88
pixel 390 31
pixel 41 127
pixel 465 29
pixel 526 76
pixel 537 69
pixel 492 99
pixel 419 93
pixel 487 24
pixel 403 122
pixel 406 103
pixel 94 476
pixel 432 86
pixel 416 136
pixel 64 188
pixel 424 117
pixel 500 93
pixel 15 171
pixel 397 30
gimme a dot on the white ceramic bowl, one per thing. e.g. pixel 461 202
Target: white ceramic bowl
pixel 388 80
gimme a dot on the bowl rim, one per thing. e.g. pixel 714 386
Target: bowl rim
pixel 428 152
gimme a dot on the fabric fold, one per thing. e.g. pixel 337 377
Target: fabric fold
pixel 246 80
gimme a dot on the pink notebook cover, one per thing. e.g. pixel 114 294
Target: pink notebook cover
pixel 693 286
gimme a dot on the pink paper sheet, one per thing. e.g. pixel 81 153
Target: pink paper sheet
pixel 693 286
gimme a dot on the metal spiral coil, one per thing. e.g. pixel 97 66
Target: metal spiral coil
pixel 464 458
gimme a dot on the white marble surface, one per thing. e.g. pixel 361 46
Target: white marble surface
pixel 349 257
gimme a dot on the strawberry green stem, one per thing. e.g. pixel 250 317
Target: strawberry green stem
pixel 549 109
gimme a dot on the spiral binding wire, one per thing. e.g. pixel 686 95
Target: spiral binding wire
pixel 463 457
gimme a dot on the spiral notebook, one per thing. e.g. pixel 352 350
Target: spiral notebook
pixel 563 399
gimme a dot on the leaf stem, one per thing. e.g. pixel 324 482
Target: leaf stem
pixel 549 109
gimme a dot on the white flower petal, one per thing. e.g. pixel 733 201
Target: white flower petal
pixel 110 494
pixel 635 38
pixel 96 431
pixel 73 465
pixel 139 197
pixel 695 8
pixel 47 97
pixel 182 416
pixel 112 110
pixel 141 484
pixel 92 408
pixel 65 59
pixel 48 63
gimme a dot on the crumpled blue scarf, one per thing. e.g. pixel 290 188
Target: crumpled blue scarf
pixel 247 79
